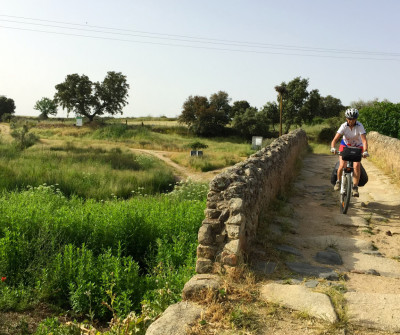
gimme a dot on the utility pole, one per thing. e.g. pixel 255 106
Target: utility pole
pixel 281 90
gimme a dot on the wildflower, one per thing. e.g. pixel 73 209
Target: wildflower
pixel 3 279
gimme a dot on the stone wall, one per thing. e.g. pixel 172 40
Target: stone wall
pixel 385 150
pixel 239 195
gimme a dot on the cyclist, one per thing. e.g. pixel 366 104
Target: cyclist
pixel 354 135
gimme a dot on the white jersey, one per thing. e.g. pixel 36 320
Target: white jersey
pixel 351 137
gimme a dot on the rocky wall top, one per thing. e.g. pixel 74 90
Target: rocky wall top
pixel 239 195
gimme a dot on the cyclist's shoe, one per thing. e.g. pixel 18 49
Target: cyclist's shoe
pixel 355 192
pixel 337 186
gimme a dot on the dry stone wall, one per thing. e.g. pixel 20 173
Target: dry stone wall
pixel 239 195
pixel 386 150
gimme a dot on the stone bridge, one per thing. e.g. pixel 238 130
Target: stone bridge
pixel 238 197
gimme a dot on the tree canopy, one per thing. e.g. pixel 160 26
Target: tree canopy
pixel 7 107
pixel 46 107
pixel 293 100
pixel 80 95
pixel 302 106
pixel 251 123
pixel 206 117
pixel 239 107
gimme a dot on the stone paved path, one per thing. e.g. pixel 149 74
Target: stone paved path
pixel 366 242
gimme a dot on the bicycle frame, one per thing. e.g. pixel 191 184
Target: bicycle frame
pixel 346 187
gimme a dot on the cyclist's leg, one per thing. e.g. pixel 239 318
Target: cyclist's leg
pixel 342 164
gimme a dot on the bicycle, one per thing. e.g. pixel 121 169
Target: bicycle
pixel 351 155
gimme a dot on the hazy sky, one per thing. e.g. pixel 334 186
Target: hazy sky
pixel 171 49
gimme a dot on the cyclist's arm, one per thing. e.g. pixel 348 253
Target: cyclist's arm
pixel 364 142
pixel 335 139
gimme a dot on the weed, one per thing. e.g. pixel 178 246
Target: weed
pixel 368 230
pixel 304 315
pixel 336 294
pixel 243 318
pixel 54 327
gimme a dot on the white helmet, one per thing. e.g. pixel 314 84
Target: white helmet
pixel 351 113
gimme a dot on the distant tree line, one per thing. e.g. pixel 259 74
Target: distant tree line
pixel 211 117
pixel 216 116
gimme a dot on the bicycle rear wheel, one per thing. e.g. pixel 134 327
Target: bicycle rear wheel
pixel 345 197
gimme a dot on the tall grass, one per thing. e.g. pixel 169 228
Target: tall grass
pixel 84 254
pixel 154 137
pixel 88 172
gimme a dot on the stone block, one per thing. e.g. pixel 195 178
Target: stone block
pixel 205 235
pixel 235 205
pixel 237 220
pixel 176 319
pixel 212 213
pixel 229 259
pixel 204 251
pixel 233 247
pixel 233 231
pixel 200 282
pixel 204 265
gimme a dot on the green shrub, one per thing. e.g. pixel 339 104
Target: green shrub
pixel 326 135
pixel 197 145
pixel 91 256
pixel 23 138
pixel 54 327
pixel 16 298
pixel 317 120
pixel 335 122
pixel 383 117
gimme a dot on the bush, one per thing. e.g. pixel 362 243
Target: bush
pixel 98 258
pixel 383 117
pixel 197 145
pixel 23 138
pixel 326 135
pixel 317 120
pixel 54 327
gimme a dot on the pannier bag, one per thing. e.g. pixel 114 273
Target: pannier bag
pixel 363 175
pixel 351 154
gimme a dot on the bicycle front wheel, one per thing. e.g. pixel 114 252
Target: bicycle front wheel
pixel 345 197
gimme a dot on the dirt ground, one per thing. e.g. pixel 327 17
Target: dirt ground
pixel 182 173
